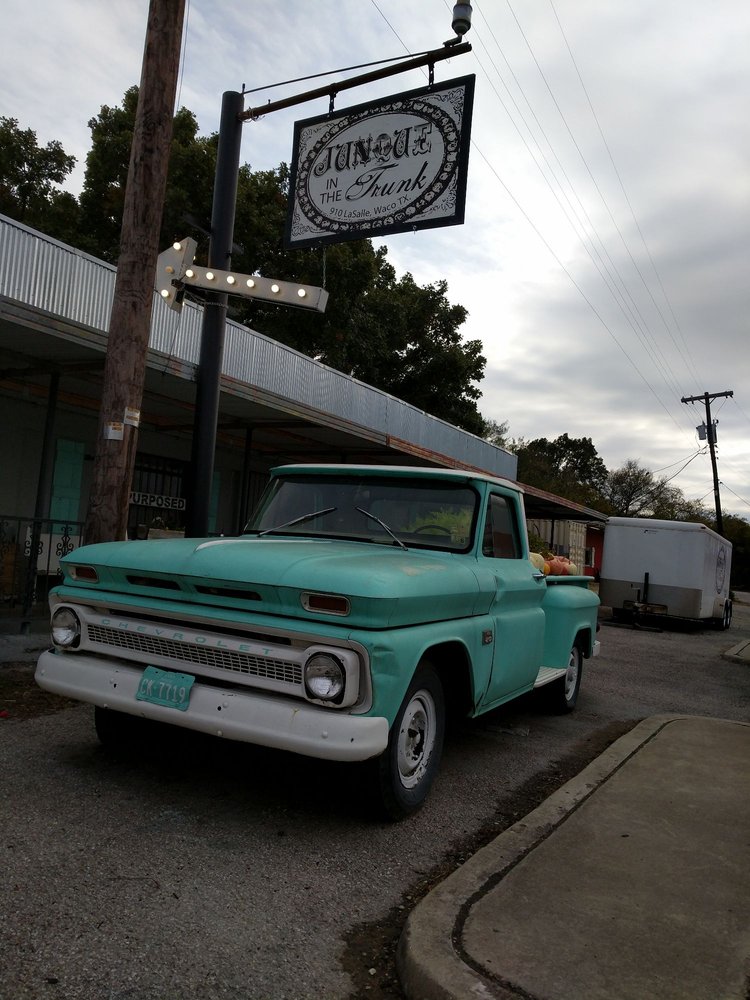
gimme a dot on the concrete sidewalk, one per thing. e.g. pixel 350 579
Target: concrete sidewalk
pixel 632 881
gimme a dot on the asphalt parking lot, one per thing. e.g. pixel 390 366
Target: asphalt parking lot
pixel 196 869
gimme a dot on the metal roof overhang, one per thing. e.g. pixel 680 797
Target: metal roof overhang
pixel 54 308
pixel 548 506
pixel 34 343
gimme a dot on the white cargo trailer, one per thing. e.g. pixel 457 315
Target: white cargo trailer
pixel 673 568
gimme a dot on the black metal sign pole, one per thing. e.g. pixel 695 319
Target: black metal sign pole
pixel 222 231
pixel 214 317
pixel 448 51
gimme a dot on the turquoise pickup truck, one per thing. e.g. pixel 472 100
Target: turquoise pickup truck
pixel 359 607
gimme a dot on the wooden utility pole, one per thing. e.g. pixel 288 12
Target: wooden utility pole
pixel 130 323
pixel 711 435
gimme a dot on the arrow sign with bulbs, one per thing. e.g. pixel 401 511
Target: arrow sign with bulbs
pixel 175 270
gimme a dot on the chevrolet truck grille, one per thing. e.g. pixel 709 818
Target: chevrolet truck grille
pixel 248 664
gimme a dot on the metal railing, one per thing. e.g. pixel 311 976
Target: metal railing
pixel 30 553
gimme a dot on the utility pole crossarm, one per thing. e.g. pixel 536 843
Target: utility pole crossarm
pixel 705 396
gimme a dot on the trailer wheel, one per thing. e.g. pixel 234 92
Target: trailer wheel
pixel 407 767
pixel 726 618
pixel 562 694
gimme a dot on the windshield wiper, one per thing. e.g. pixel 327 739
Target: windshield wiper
pixel 297 520
pixel 382 524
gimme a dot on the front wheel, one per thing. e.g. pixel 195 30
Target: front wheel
pixel 563 693
pixel 407 767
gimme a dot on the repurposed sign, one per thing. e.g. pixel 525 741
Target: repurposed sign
pixel 388 166
pixel 155 500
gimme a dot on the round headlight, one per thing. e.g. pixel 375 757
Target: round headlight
pixel 324 677
pixel 66 628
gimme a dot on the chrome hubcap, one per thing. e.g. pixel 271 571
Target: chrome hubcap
pixel 416 738
pixel 571 676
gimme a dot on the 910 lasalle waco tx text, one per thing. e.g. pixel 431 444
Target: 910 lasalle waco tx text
pixel 359 607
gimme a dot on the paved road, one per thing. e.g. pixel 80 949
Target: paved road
pixel 202 870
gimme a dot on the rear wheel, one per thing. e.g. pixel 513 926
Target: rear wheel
pixel 407 767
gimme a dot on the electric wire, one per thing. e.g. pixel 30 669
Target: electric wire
pixel 730 490
pixel 659 360
pixel 331 72
pixel 701 451
pixel 674 387
pixel 636 323
pixel 734 400
pixel 557 259
pixel 684 354
pixel 183 55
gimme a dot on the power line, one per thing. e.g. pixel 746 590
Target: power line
pixel 583 159
pixel 686 360
pixel 742 499
pixel 635 318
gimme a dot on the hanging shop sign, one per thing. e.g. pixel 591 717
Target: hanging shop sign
pixel 388 166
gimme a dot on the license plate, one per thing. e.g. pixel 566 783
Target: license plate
pixel 165 687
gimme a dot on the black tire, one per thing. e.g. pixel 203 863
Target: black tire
pixel 726 620
pixel 116 730
pixel 562 694
pixel 407 767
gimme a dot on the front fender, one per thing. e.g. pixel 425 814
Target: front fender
pixel 395 655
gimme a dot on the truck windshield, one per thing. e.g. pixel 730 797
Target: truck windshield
pixel 412 513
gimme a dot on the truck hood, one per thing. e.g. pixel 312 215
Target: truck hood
pixel 386 586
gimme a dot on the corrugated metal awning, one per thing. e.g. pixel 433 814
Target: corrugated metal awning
pixel 541 504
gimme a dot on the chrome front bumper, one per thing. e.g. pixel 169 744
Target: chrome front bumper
pixel 248 716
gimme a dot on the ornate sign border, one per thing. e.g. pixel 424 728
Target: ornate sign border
pixel 433 195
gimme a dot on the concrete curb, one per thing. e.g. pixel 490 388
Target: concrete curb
pixel 429 958
pixel 739 653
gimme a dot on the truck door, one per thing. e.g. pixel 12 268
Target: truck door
pixel 516 609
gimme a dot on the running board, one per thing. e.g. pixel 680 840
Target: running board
pixel 548 674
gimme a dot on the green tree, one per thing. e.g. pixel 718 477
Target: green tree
pixel 737 531
pixel 634 491
pixel 569 467
pixel 189 187
pixel 629 491
pixel 29 179
pixel 103 194
pixel 496 433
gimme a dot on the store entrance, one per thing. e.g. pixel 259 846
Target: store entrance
pixel 157 498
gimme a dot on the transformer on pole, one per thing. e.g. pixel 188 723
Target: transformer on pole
pixel 709 433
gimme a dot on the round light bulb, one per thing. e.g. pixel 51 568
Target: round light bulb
pixel 190 273
pixel 301 292
pixel 177 246
pixel 209 275
pixel 250 283
pixel 164 293
pixel 231 279
pixel 275 289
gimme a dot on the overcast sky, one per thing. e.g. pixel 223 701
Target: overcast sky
pixel 605 256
